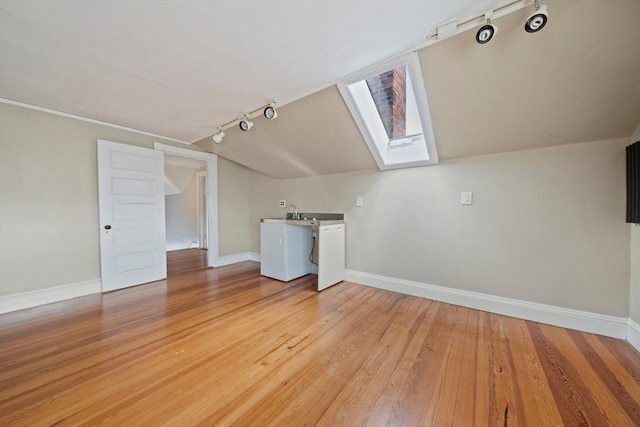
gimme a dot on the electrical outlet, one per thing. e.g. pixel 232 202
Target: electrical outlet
pixel 283 203
pixel 358 201
pixel 466 198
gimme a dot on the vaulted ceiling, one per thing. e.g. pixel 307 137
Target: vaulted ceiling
pixel 180 69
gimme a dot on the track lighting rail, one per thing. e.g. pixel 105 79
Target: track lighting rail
pixel 534 23
pixel 244 120
pixel 250 115
pixel 452 28
pixel 471 22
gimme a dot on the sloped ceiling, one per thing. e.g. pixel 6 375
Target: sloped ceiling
pixel 577 80
pixel 180 71
pixel 178 171
pixel 181 68
pixel 313 136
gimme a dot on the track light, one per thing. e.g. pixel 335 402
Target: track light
pixel 538 19
pixel 245 124
pixel 217 138
pixel 487 31
pixel 244 121
pixel 270 112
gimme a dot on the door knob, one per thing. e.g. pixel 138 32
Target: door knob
pixel 107 227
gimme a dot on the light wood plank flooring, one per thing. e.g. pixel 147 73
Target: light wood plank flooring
pixel 226 346
pixel 184 260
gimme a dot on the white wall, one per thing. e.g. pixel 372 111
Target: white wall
pixel 49 198
pixel 181 214
pixel 634 287
pixel 233 189
pixel 547 225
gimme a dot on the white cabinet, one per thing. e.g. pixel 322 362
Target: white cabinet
pixel 331 268
pixel 284 250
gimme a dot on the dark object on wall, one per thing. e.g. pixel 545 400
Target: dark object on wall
pixel 633 183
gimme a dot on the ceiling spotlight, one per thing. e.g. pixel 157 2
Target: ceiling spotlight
pixel 487 31
pixel 538 19
pixel 217 138
pixel 245 124
pixel 270 112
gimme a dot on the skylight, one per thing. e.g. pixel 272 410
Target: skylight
pixel 389 105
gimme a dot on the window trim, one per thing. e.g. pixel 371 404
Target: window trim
pixel 415 71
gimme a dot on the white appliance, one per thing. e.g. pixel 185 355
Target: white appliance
pixel 285 250
pixel 331 248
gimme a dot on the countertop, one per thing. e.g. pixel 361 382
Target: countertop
pixel 307 222
pixel 309 219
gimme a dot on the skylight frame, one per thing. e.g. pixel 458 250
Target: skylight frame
pixel 417 82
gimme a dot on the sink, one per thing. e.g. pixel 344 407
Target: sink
pixel 301 217
pixel 315 216
pixel 310 219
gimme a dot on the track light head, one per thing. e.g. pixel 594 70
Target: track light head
pixel 486 33
pixel 270 112
pixel 245 124
pixel 217 138
pixel 537 20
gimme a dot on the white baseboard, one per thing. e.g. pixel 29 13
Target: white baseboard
pixel 611 326
pixel 46 296
pixel 171 248
pixel 616 327
pixel 235 258
pixel 633 334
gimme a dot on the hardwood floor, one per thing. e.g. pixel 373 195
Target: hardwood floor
pixel 184 260
pixel 226 346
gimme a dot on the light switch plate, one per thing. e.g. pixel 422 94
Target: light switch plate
pixel 466 198
pixel 283 203
pixel 359 201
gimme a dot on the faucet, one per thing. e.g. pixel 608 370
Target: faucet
pixel 295 215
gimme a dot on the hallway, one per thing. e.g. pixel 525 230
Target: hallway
pixel 184 260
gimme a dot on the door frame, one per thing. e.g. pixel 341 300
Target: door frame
pixel 202 223
pixel 212 194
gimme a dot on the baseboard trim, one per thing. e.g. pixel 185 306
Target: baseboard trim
pixel 181 248
pixel 239 257
pixel 616 327
pixel 46 296
pixel 633 334
pixel 611 326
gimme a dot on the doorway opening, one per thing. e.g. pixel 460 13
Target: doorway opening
pixel 186 260
pixel 185 214
pixel 191 209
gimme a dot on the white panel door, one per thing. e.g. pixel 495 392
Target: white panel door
pixel 132 221
pixel 331 264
